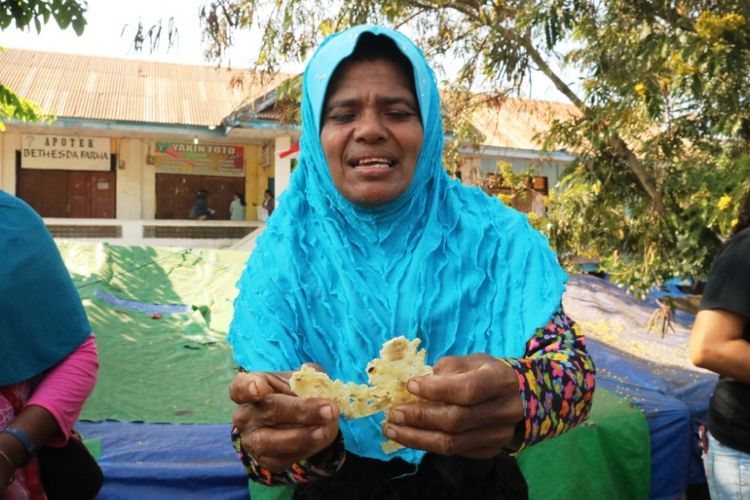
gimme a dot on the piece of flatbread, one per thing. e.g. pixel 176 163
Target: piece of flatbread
pixel 398 362
pixel 352 399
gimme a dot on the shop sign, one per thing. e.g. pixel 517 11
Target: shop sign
pixel 65 152
pixel 199 159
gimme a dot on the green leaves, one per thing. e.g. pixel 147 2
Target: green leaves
pixel 67 13
pixel 663 132
pixel 13 107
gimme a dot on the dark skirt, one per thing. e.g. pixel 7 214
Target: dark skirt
pixel 435 478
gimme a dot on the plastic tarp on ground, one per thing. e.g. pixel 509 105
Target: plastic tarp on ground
pixel 171 366
pixel 167 461
pixel 650 371
pixel 161 316
pixel 608 457
pixel 160 412
pixel 673 415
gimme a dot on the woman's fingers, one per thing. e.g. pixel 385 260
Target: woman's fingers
pixel 466 381
pixel 281 410
pixel 489 439
pixel 251 387
pixel 299 442
pixel 278 428
pixel 455 419
pixel 472 407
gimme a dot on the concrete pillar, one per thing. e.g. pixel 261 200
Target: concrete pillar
pixel 281 166
pixel 131 160
pixel 253 192
pixel 10 141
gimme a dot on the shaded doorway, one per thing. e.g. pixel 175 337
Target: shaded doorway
pixel 175 194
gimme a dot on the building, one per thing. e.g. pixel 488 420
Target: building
pixel 135 140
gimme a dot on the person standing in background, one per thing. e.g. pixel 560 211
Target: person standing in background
pixel 237 207
pixel 268 202
pixel 200 209
pixel 720 342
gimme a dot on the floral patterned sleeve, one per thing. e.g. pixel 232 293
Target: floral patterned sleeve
pixel 324 464
pixel 556 378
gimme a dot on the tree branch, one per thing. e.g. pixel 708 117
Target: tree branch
pixel 616 142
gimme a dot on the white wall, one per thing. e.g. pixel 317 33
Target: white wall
pixel 281 166
pixel 552 169
pixel 10 142
pixel 130 160
pixel 148 184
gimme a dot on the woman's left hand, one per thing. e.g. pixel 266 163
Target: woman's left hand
pixel 472 407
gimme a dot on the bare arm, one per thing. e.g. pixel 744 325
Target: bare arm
pixel 49 415
pixel 39 425
pixel 716 344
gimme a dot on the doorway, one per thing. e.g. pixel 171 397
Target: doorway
pixel 175 194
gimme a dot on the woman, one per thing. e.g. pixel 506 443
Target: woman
pixel 720 342
pixel 49 363
pixel 237 207
pixel 374 240
pixel 268 203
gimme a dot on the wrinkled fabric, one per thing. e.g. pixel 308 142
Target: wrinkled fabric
pixel 329 281
pixel 42 319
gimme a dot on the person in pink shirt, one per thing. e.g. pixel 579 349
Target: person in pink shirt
pixel 48 357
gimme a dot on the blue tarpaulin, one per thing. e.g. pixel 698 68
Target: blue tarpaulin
pixel 673 407
pixel 167 461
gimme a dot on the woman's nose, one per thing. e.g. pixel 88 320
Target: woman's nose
pixel 370 127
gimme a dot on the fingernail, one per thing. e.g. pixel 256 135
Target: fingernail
pixel 326 412
pixel 390 432
pixel 253 388
pixel 318 433
pixel 413 386
pixel 396 416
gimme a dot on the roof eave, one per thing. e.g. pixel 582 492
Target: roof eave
pixel 523 154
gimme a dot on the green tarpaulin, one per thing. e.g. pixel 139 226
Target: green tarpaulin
pixel 158 367
pixel 161 316
pixel 607 457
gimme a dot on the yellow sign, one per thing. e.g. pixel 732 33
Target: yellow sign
pixel 200 159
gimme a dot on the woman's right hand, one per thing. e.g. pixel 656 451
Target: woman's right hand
pixel 277 427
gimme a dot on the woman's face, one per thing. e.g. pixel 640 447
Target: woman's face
pixel 371 132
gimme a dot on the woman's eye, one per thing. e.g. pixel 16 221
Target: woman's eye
pixel 399 115
pixel 341 117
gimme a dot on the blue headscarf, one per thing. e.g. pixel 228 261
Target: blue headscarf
pixel 41 316
pixel 329 282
